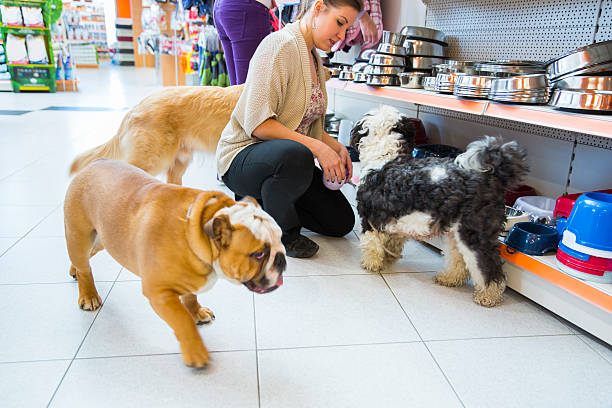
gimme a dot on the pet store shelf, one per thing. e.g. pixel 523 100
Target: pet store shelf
pixel 584 303
pixel 597 125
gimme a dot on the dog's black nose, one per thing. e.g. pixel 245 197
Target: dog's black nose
pixel 280 262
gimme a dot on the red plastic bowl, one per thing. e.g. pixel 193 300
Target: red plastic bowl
pixel 523 190
pixel 565 203
pixel 593 266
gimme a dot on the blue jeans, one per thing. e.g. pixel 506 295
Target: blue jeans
pixel 241 25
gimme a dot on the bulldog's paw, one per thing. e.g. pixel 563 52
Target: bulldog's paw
pixel 195 355
pixel 204 316
pixel 90 302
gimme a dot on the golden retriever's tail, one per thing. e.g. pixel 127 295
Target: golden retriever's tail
pixel 108 150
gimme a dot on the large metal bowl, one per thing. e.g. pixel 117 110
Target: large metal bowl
pixel 389 37
pixel 596 83
pixel 390 49
pixel 519 83
pixel 423 48
pixel 346 75
pixel 360 77
pixel 383 80
pixel 423 33
pixel 387 60
pixel 582 100
pixel 507 70
pixel 412 80
pixel 359 66
pixel 383 70
pixel 579 59
pixel 423 63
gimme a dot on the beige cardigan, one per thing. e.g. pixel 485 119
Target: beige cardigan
pixel 278 85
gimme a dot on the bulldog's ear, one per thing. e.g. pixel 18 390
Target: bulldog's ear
pixel 249 199
pixel 220 230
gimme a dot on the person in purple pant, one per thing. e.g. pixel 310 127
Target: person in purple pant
pixel 241 25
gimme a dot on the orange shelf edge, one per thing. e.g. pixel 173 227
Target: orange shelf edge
pixel 583 123
pixel 559 279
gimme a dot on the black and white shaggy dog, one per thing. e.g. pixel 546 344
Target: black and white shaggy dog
pixel 400 198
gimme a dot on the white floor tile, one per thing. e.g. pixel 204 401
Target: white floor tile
pixel 16 221
pixel 6 243
pixel 45 260
pixel 385 375
pixel 336 256
pixel 550 371
pixel 604 349
pixel 30 384
pixel 43 322
pixel 230 380
pixel 417 258
pixel 440 313
pixel 128 325
pixel 52 226
pixel 330 310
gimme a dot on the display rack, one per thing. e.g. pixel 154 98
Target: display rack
pixel 591 124
pixel 5 76
pixel 31 77
pixel 586 304
pixel 86 32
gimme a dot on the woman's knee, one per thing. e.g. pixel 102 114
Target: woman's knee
pixel 344 223
pixel 294 160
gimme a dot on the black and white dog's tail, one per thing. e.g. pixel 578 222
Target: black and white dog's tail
pixel 507 161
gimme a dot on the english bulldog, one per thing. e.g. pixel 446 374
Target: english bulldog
pixel 177 239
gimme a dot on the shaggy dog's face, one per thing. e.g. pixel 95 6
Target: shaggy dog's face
pixel 383 132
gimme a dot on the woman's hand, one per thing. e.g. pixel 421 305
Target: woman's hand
pixel 345 157
pixel 368 30
pixel 330 161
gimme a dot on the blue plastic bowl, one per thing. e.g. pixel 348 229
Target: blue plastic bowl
pixel 591 221
pixel 435 150
pixel 532 238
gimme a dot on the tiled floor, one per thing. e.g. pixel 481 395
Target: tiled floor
pixel 332 336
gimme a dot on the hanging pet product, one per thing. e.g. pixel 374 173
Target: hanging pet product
pixel 16 52
pixel 32 16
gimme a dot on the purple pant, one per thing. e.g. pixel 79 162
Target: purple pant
pixel 241 25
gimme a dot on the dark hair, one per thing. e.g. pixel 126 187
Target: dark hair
pixel 305 5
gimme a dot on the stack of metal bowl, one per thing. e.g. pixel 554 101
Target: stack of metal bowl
pixel 445 82
pixel 346 74
pixel 359 74
pixel 529 89
pixel 388 61
pixel 473 86
pixel 583 93
pixel 429 83
pixel 589 60
pixel 509 68
pixel 424 47
pixel 581 79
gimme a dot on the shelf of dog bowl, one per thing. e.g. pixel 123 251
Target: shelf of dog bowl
pixel 592 124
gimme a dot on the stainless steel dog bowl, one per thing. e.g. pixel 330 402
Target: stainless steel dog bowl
pixel 389 37
pixel 383 80
pixel 423 63
pixel 519 83
pixel 473 86
pixel 422 33
pixel 579 59
pixel 507 69
pixel 423 48
pixel 359 66
pixel 412 80
pixel 595 83
pixel 445 83
pixel 383 70
pixel 360 77
pixel 335 72
pixel 582 100
pixel 366 54
pixel 387 60
pixel 429 83
pixel 346 75
pixel 390 49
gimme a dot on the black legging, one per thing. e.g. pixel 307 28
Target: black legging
pixel 282 176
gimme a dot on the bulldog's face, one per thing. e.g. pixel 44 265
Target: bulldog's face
pixel 250 247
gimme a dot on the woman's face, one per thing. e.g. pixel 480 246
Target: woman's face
pixel 330 24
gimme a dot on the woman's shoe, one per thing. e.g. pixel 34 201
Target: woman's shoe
pixel 301 247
